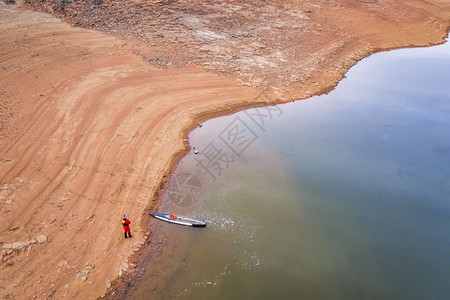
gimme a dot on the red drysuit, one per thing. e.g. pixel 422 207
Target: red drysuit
pixel 126 225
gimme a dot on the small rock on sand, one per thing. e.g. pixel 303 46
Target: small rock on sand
pixel 41 239
pixel 14 228
pixel 89 266
pixel 9 263
pixel 82 275
pixel 18 245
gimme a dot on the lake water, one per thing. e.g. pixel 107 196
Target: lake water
pixel 341 196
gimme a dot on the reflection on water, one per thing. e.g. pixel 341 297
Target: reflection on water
pixel 342 196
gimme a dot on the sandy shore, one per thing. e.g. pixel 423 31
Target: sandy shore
pixel 89 128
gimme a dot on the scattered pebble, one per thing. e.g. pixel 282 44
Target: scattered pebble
pixel 9 263
pixel 14 228
pixel 41 239
pixel 89 266
pixel 82 275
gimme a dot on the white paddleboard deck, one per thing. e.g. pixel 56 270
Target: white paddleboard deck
pixel 180 220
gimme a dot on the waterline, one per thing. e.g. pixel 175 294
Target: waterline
pixel 345 196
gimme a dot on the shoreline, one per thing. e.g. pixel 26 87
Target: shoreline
pixel 121 285
pixel 203 113
pixel 144 282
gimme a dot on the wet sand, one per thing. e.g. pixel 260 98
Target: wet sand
pixel 89 131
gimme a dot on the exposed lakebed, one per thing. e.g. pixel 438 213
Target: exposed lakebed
pixel 341 196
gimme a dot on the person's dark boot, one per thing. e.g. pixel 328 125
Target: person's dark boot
pixel 129 235
pixel 125 235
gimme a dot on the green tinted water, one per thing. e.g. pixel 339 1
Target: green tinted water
pixel 342 196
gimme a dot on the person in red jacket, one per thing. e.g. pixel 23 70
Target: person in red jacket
pixel 126 226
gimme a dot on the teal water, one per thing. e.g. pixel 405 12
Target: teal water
pixel 341 196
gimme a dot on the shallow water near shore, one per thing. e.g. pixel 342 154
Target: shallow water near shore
pixel 341 196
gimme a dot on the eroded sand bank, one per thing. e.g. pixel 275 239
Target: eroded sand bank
pixel 89 129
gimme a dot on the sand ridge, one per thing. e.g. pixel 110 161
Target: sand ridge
pixel 89 128
pixel 93 132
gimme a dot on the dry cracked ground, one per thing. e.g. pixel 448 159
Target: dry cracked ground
pixel 294 47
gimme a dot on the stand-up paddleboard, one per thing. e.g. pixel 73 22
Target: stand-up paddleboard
pixel 180 220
